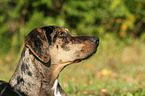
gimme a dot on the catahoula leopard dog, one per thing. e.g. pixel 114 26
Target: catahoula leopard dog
pixel 46 52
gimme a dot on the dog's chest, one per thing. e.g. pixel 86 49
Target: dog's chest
pixel 55 89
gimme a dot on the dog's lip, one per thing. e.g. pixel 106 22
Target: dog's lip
pixel 78 60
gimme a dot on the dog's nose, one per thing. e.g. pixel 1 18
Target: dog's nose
pixel 94 40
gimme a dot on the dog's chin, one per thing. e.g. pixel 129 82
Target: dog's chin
pixel 79 60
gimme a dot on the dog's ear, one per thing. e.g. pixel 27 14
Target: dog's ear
pixel 37 42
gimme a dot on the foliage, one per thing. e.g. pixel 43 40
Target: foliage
pixel 90 17
pixel 115 70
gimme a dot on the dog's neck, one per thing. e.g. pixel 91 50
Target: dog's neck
pixel 35 79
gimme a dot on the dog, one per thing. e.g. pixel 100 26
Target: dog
pixel 46 52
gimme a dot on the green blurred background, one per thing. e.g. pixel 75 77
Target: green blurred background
pixel 118 68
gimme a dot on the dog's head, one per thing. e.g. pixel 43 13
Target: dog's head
pixel 57 45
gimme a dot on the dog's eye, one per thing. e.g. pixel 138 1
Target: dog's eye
pixel 62 35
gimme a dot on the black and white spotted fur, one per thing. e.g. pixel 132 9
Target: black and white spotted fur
pixel 46 52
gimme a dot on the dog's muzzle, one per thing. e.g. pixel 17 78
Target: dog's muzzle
pixel 95 40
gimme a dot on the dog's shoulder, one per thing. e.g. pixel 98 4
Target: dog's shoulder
pixel 7 90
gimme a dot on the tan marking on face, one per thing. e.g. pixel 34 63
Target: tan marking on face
pixel 59 56
pixel 77 50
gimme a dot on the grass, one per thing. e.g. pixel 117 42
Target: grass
pixel 117 69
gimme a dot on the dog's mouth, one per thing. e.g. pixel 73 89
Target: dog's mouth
pixel 79 60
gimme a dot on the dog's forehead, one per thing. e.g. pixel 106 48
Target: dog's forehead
pixel 61 29
pixel 58 30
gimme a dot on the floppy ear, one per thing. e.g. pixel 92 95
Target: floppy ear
pixel 37 42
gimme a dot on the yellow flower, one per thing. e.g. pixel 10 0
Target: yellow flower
pixel 106 72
